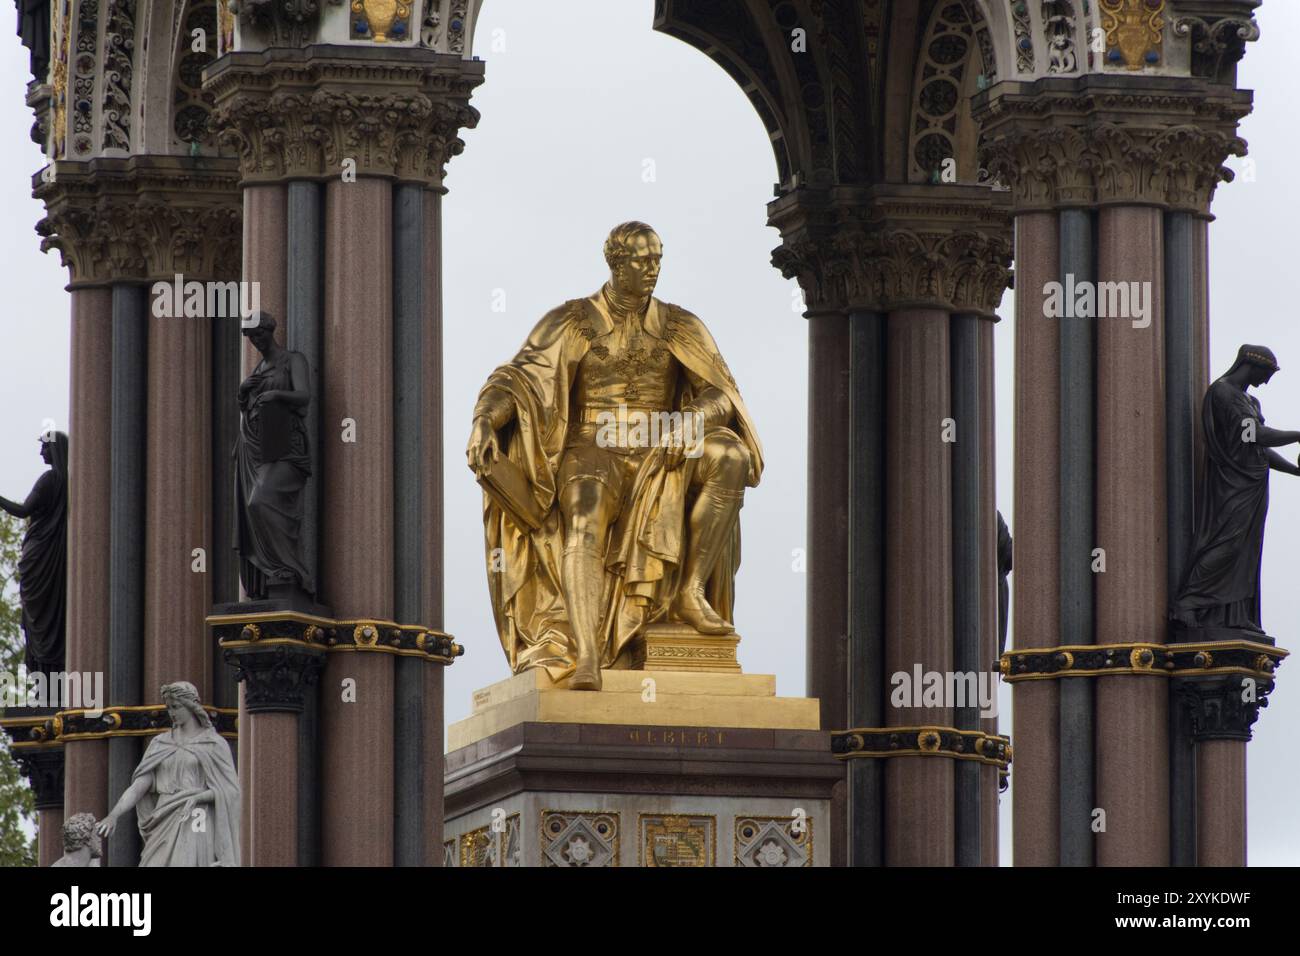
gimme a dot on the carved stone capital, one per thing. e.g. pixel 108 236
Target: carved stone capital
pixel 324 111
pixel 1088 142
pixel 889 248
pixel 276 677
pixel 142 219
pixel 279 22
pixel 43 769
pixel 1218 38
pixel 1223 708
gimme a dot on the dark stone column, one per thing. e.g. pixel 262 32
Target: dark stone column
pixel 303 307
pixel 1182 421
pixel 966 569
pixel 866 665
pixel 1077 437
pixel 127 538
pixel 408 524
pixel 432 544
pixel 223 563
pixel 305 240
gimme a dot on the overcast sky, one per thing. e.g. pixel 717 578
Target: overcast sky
pixel 592 118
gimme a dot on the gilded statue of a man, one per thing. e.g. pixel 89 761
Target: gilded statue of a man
pixel 614 450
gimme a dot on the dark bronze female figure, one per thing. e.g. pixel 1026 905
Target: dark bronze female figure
pixel 42 569
pixel 272 464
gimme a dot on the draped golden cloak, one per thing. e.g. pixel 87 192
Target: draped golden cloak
pixel 644 553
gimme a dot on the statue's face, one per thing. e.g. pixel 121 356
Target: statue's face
pixel 261 337
pixel 1260 375
pixel 178 713
pixel 637 273
pixel 45 453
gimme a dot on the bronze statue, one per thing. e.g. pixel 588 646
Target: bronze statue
pixel 596 526
pixel 1220 588
pixel 43 567
pixel 272 465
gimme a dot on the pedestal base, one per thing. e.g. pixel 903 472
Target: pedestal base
pixel 661 698
pixel 660 768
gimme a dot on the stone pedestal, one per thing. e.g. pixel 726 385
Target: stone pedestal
pixel 660 768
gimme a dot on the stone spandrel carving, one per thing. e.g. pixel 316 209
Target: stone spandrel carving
pixel 185 792
pixel 43 566
pixel 1220 593
pixel 629 515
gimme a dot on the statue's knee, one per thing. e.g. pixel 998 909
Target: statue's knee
pixel 583 505
pixel 728 456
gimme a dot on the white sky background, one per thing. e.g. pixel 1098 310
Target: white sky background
pixel 572 108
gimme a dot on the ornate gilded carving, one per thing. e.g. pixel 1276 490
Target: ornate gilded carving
pixel 677 840
pixel 395 120
pixel 380 20
pixel 143 218
pixel 59 89
pixel 1242 658
pixel 1134 31
pixel 119 52
pixel 944 742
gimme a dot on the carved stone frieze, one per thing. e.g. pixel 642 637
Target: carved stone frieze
pixel 883 249
pixel 144 218
pixel 1059 143
pixel 319 113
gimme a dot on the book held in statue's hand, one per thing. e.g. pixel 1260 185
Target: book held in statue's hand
pixel 508 486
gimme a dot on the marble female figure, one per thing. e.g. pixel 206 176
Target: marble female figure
pixel 272 464
pixel 42 569
pixel 185 791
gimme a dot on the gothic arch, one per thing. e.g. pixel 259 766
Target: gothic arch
pixel 172 108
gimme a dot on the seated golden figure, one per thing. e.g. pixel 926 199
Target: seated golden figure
pixel 614 450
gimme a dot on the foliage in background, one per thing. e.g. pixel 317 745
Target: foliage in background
pixel 17 812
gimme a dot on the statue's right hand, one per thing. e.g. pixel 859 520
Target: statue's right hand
pixel 106 826
pixel 483 448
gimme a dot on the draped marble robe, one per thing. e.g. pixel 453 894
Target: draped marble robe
pixel 182 770
pixel 644 559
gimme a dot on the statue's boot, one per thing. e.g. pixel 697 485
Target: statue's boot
pixel 713 520
pixel 584 565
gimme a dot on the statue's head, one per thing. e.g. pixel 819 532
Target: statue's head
pixel 633 251
pixel 1260 361
pixel 54 448
pixel 79 832
pixel 260 330
pixel 182 700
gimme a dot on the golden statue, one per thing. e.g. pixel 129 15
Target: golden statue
pixel 613 450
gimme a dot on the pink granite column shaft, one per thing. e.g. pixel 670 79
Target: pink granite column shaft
pixel 85 773
pixel 357 520
pixel 919 791
pixel 1221 803
pixel 267 752
pixel 1036 579
pixel 1132 594
pixel 178 505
